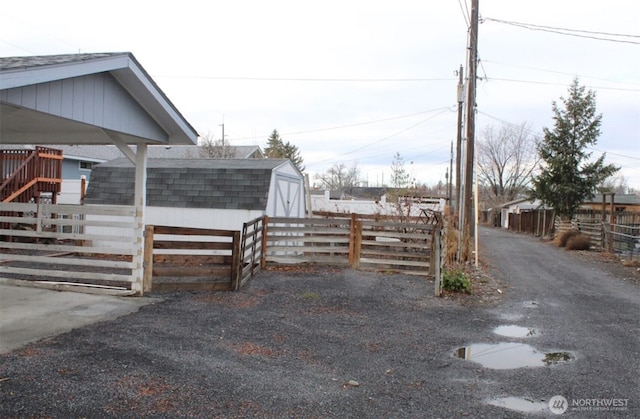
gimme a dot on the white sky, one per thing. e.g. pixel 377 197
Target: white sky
pixel 356 81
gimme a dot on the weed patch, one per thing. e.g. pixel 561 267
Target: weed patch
pixel 456 281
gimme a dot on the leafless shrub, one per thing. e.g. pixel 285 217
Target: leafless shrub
pixel 562 238
pixel 579 242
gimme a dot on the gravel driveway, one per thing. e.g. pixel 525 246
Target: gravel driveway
pixel 320 342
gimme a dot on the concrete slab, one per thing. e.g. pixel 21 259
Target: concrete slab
pixel 30 314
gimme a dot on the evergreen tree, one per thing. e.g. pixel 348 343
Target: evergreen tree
pixel 399 176
pixel 278 149
pixel 274 149
pixel 567 176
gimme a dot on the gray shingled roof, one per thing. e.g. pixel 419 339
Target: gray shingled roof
pixel 187 183
pixel 8 63
pixel 111 152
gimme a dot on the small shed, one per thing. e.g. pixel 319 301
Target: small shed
pixel 204 193
pixel 518 206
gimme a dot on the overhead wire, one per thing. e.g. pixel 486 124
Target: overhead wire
pixel 556 72
pixel 381 139
pixel 357 124
pixel 534 133
pixel 309 79
pixel 569 32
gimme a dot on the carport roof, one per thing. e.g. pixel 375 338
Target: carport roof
pixel 32 89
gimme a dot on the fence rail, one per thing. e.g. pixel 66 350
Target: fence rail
pixel 251 248
pixel 623 239
pixel 37 245
pixel 368 244
pixel 190 259
pixel 98 246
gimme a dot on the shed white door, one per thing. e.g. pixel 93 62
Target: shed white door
pixel 289 197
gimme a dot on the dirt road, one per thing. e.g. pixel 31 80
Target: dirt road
pixel 576 304
pixel 321 342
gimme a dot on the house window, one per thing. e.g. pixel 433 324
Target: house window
pixel 86 165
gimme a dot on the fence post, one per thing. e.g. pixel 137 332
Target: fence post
pixel 437 261
pixel 357 244
pixel 263 256
pixel 147 262
pixel 612 221
pixel 235 261
pixel 352 239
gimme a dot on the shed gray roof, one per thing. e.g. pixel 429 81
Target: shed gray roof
pixel 187 183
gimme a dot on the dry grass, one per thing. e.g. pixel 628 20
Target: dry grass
pixel 579 242
pixel 631 263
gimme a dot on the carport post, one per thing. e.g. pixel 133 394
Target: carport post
pixel 140 200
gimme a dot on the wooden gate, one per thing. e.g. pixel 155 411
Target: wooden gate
pixel 92 248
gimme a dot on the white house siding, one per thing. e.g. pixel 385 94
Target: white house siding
pixel 70 192
pixel 222 219
pixel 322 203
pixel 219 219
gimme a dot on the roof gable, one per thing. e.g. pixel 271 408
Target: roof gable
pixel 85 99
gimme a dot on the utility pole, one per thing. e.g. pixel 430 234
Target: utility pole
pixel 470 121
pixel 450 178
pixel 456 204
pixel 222 125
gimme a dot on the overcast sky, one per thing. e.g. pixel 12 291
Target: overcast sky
pixel 356 82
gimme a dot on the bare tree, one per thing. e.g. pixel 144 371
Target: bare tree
pixel 507 158
pixel 215 149
pixel 616 184
pixel 339 177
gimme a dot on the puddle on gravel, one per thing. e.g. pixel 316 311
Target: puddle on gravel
pixel 513 331
pixel 511 317
pixel 508 355
pixel 519 404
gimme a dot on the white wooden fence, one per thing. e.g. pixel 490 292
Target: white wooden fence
pixel 97 247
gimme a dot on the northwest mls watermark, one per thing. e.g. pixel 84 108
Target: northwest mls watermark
pixel 559 404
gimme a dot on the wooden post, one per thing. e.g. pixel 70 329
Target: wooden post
pixel 148 259
pixel 352 238
pixel 357 245
pixel 235 261
pixel 263 258
pixel 612 221
pixel 83 188
pixel 436 260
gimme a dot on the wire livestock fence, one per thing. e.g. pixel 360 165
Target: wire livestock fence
pixel 623 240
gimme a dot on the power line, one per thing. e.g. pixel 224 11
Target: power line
pixel 534 133
pixel 569 32
pixel 18 46
pixel 556 72
pixel 465 14
pixel 563 84
pixel 308 79
pixel 380 140
pixel 349 125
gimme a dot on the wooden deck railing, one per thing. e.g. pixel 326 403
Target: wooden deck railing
pixel 26 174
